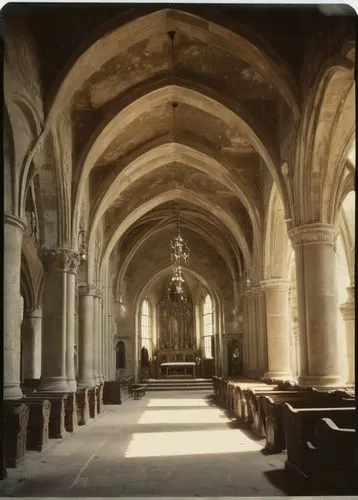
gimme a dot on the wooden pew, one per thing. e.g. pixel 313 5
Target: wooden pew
pixel 16 418
pixel 241 403
pixel 100 399
pixel 57 427
pixel 272 407
pixel 299 425
pixel 38 424
pixel 71 420
pixel 93 401
pixel 334 455
pixel 254 397
pixel 82 406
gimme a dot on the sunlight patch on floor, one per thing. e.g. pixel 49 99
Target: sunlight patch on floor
pixel 200 416
pixel 162 444
pixel 176 402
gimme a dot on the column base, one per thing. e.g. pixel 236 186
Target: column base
pixel 279 375
pixel 319 381
pixel 53 384
pixel 12 392
pixel 72 385
pixel 86 383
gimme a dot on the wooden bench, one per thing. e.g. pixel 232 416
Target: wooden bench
pixel 82 404
pixel 241 403
pixel 299 425
pixel 272 407
pixel 38 424
pixel 255 400
pixel 57 429
pixel 333 456
pixel 137 391
pixel 16 418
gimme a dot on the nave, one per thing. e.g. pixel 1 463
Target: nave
pixel 166 444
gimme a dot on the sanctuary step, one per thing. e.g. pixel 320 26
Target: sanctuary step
pixel 179 384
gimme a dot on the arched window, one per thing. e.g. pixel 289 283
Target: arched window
pixel 146 327
pixel 120 355
pixel 207 326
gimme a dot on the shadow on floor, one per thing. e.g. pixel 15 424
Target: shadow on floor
pixel 292 485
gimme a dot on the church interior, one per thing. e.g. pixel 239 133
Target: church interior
pixel 179 232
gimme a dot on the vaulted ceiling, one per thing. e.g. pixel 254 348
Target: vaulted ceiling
pixel 174 109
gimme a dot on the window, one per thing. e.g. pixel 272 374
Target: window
pixel 146 327
pixel 207 326
pixel 121 356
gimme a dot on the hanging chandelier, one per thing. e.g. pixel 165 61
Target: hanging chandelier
pixel 179 250
pixel 178 280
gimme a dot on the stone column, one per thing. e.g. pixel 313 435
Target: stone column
pixel 31 337
pixel 71 297
pixel 348 313
pixel 13 231
pixel 314 246
pixel 54 322
pixel 85 337
pixel 96 353
pixel 278 328
pixel 260 329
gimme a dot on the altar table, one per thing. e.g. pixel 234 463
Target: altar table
pixel 178 368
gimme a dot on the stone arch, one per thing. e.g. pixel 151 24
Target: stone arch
pixel 277 247
pixel 181 194
pixel 104 46
pixel 157 157
pixel 10 194
pixel 124 265
pixel 327 130
pixel 165 93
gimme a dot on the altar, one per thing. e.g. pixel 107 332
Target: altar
pixel 179 368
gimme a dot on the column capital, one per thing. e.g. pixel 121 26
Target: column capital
pixel 257 290
pixel 278 284
pixel 311 234
pixel 88 290
pixel 58 259
pixel 74 262
pixel 15 221
pixel 98 293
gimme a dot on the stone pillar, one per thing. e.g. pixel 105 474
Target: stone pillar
pixel 71 297
pixel 13 231
pixel 54 321
pixel 31 337
pixel 348 313
pixel 85 337
pixel 96 353
pixel 278 328
pixel 260 329
pixel 314 246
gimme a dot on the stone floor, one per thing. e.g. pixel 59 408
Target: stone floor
pixel 173 444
